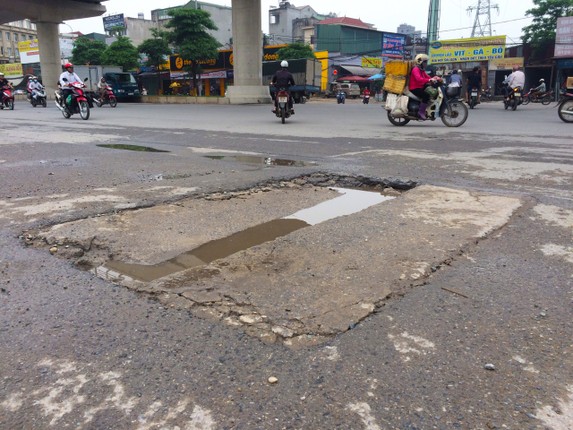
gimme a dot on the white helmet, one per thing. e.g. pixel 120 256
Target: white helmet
pixel 1 73
pixel 542 80
pixel 284 63
pixel 420 58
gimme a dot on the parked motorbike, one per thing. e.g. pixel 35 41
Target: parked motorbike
pixel 7 100
pixel 282 109
pixel 340 97
pixel 76 102
pixel 565 107
pixel 538 97
pixel 38 98
pixel 108 98
pixel 513 99
pixel 366 99
pixel 450 109
pixel 473 101
pixel 486 94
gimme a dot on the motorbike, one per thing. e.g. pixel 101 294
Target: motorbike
pixel 340 97
pixel 76 102
pixel 38 98
pixel 486 94
pixel 108 98
pixel 565 107
pixel 282 109
pixel 7 100
pixel 538 97
pixel 513 99
pixel 473 100
pixel 366 99
pixel 452 111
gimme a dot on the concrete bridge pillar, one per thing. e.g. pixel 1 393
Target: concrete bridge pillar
pixel 50 61
pixel 247 54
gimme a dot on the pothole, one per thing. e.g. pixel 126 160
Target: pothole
pixel 292 261
pixel 128 147
pixel 262 161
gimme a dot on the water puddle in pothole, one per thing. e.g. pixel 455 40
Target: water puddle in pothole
pixel 262 161
pixel 348 203
pixel 130 147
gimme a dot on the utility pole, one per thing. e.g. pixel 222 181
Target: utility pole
pixel 483 8
pixel 433 23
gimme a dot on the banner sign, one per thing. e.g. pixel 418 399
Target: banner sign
pixel 465 50
pixel 393 45
pixel 371 62
pixel 12 69
pixel 29 51
pixel 113 21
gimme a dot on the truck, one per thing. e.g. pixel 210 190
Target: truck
pixel 123 84
pixel 306 72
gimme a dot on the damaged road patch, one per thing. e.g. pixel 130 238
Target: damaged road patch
pixel 298 288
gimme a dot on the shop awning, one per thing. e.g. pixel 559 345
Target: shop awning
pixel 360 71
pixel 352 78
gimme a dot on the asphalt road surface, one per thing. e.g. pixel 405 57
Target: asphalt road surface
pixel 449 306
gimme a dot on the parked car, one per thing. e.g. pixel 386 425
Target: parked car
pixel 351 90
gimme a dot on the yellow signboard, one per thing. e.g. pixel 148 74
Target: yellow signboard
pixel 11 69
pixel 372 62
pixel 29 46
pixel 470 49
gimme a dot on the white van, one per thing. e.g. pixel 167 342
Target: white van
pixel 351 90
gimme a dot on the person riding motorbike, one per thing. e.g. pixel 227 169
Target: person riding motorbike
pixel 456 82
pixel 419 80
pixel 4 82
pixel 283 79
pixel 541 88
pixel 474 82
pixel 34 86
pixel 70 77
pixel 514 80
pixel 102 86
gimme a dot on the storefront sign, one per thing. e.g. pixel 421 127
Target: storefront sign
pixel 464 50
pixel 113 21
pixel 564 37
pixel 505 63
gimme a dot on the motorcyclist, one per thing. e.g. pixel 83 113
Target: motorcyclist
pixel 456 82
pixel 35 86
pixel 419 80
pixel 283 79
pixel 70 77
pixel 4 82
pixel 541 88
pixel 474 82
pixel 514 80
pixel 102 86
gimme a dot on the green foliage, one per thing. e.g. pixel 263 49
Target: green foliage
pixel 189 36
pixel 545 14
pixel 121 53
pixel 88 51
pixel 156 49
pixel 295 51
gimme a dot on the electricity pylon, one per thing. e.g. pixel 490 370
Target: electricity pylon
pixel 483 8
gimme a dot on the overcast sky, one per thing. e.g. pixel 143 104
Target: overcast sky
pixel 455 20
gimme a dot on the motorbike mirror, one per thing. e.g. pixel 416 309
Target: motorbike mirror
pixel 86 79
pixel 65 79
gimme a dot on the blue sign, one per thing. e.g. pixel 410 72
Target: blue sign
pixel 113 21
pixel 393 45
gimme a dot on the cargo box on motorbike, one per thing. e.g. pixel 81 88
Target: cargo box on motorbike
pixel 397 72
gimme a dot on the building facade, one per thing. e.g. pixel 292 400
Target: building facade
pixel 288 23
pixel 10 35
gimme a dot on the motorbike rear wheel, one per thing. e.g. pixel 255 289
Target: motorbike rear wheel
pixel 399 122
pixel 472 102
pixel 10 104
pixel 113 102
pixel 514 104
pixel 34 103
pixel 66 113
pixel 565 110
pixel 44 104
pixel 546 100
pixel 84 110
pixel 455 114
pixel 283 115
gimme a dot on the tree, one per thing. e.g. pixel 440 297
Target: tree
pixel 121 53
pixel 295 51
pixel 88 51
pixel 545 14
pixel 156 49
pixel 190 38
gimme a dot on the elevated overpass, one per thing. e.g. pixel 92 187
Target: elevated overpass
pixel 47 15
